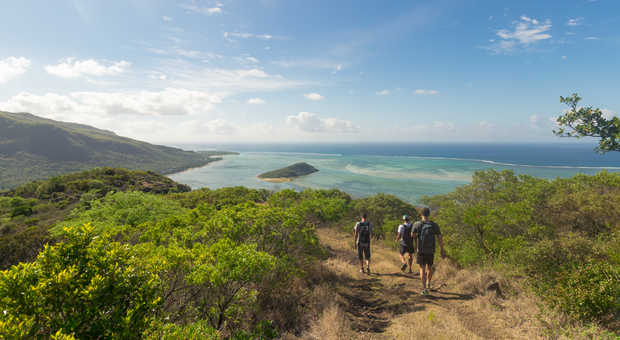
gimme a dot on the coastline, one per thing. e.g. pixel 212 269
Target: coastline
pixel 182 170
pixel 277 179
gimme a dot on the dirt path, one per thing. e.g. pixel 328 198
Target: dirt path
pixel 387 303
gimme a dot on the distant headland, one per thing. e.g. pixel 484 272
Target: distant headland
pixel 288 173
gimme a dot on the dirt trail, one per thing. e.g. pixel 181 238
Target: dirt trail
pixel 387 303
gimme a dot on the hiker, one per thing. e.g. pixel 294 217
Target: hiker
pixel 406 243
pixel 362 242
pixel 424 233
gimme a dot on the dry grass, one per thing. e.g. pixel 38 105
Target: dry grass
pixel 387 304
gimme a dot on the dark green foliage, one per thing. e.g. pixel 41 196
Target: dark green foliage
pixel 291 171
pixel 28 211
pixel 551 230
pixel 36 148
pixel 384 213
pixel 589 292
pixel 589 122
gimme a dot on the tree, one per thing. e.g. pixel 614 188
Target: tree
pixel 580 122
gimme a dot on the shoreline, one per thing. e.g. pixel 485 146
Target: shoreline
pixel 277 179
pixel 210 161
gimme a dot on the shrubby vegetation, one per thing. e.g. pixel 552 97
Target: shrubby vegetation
pixel 28 211
pixel 562 233
pixel 223 263
pixel 242 263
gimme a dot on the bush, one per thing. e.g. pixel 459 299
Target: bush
pixel 590 292
pixel 88 286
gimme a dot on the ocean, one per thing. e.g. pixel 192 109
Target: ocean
pixel 409 171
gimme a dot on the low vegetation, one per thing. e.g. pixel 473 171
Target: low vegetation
pixel 134 255
pixel 563 234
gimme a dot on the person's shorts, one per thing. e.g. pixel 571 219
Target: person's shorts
pixel 406 249
pixel 425 259
pixel 363 251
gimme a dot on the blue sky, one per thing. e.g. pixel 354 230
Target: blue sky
pixel 194 71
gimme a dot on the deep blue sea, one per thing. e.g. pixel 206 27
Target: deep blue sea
pixel 409 171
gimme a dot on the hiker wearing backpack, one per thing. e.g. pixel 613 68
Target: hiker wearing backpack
pixel 362 242
pixel 406 243
pixel 424 233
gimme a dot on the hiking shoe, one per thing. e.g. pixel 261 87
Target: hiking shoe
pixel 368 270
pixel 362 270
pixel 424 292
pixel 403 267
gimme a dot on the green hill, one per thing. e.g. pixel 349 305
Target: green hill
pixel 33 148
pixel 289 172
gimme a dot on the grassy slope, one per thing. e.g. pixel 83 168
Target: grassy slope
pixel 33 148
pixel 387 303
pixel 295 170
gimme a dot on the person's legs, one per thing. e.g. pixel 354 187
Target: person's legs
pixel 429 276
pixel 367 255
pixel 360 255
pixel 410 261
pixel 422 272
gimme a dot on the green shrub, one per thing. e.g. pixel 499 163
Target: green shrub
pixel 21 206
pixel 589 292
pixel 87 286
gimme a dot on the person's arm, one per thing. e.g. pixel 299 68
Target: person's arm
pixel 355 236
pixel 414 236
pixel 443 252
pixel 398 236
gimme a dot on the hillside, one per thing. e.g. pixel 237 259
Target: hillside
pixel 33 148
pixel 289 172
pixel 240 263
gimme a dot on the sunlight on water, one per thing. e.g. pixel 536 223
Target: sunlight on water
pixel 407 177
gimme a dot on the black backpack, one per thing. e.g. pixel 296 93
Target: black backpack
pixel 426 238
pixel 407 239
pixel 364 233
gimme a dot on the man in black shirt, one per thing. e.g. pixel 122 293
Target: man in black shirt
pixel 424 233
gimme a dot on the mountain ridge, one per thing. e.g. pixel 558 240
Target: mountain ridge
pixel 33 148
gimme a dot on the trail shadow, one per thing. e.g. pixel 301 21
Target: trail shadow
pixel 451 296
pixel 401 274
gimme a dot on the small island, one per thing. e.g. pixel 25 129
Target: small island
pixel 288 173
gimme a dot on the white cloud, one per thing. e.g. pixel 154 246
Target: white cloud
pixel 71 68
pixel 486 125
pixel 383 92
pixel 311 122
pixel 13 67
pixel 563 57
pixel 525 32
pixel 170 101
pixel 592 38
pixel 337 69
pixel 220 127
pixel 608 114
pixel 252 60
pixel 245 35
pixel 185 74
pixel 574 22
pixel 256 101
pixel 446 126
pixel 166 18
pixel 192 7
pixel 314 96
pixel 424 92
